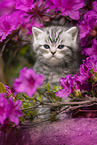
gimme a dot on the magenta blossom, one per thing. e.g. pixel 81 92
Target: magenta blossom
pixel 9 110
pixel 68 87
pixel 71 8
pixel 7 6
pixel 27 82
pixel 33 12
pixel 3 108
pixel 84 72
pixel 91 50
pixel 91 62
pixel 79 82
pixel 8 23
pixel 31 7
pixel 84 28
pixel 85 69
pixel 14 111
pixel 8 90
pixel 33 23
pixel 95 6
pixel 88 26
pixel 67 7
pixel 24 5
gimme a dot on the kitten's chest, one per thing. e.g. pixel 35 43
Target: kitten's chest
pixel 52 75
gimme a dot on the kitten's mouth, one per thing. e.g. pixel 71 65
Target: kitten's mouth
pixel 53 61
pixel 53 58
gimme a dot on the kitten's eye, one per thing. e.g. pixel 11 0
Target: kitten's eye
pixel 46 46
pixel 61 46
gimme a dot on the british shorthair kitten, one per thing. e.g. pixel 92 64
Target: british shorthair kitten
pixel 56 49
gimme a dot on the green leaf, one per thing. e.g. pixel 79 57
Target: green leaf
pixel 40 98
pixel 96 74
pixel 24 50
pixel 77 93
pixel 56 88
pixel 48 87
pixel 26 105
pixel 95 77
pixel 91 71
pixel 22 119
pixel 2 88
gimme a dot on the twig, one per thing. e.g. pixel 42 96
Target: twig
pixel 32 107
pixel 3 48
pixel 76 107
pixel 70 103
pixel 57 112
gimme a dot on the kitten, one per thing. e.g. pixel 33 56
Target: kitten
pixel 56 49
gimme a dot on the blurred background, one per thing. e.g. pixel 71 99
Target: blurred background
pixel 16 49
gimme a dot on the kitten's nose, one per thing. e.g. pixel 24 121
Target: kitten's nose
pixel 53 53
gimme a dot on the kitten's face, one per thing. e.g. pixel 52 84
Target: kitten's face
pixel 55 45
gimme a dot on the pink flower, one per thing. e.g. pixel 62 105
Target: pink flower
pixel 91 18
pixel 91 62
pixel 80 83
pixel 91 50
pixel 67 7
pixel 3 108
pixel 14 111
pixel 33 12
pixel 71 8
pixel 24 5
pixel 27 82
pixel 8 23
pixel 84 72
pixel 9 110
pixel 8 90
pixel 84 28
pixel 33 23
pixel 68 87
pixel 95 6
pixel 88 26
pixel 7 6
pixel 88 23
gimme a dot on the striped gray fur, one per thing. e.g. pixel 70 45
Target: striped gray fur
pixel 55 62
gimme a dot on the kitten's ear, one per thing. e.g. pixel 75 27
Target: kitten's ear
pixel 36 31
pixel 74 32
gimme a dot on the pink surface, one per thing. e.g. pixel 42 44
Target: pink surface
pixel 78 131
